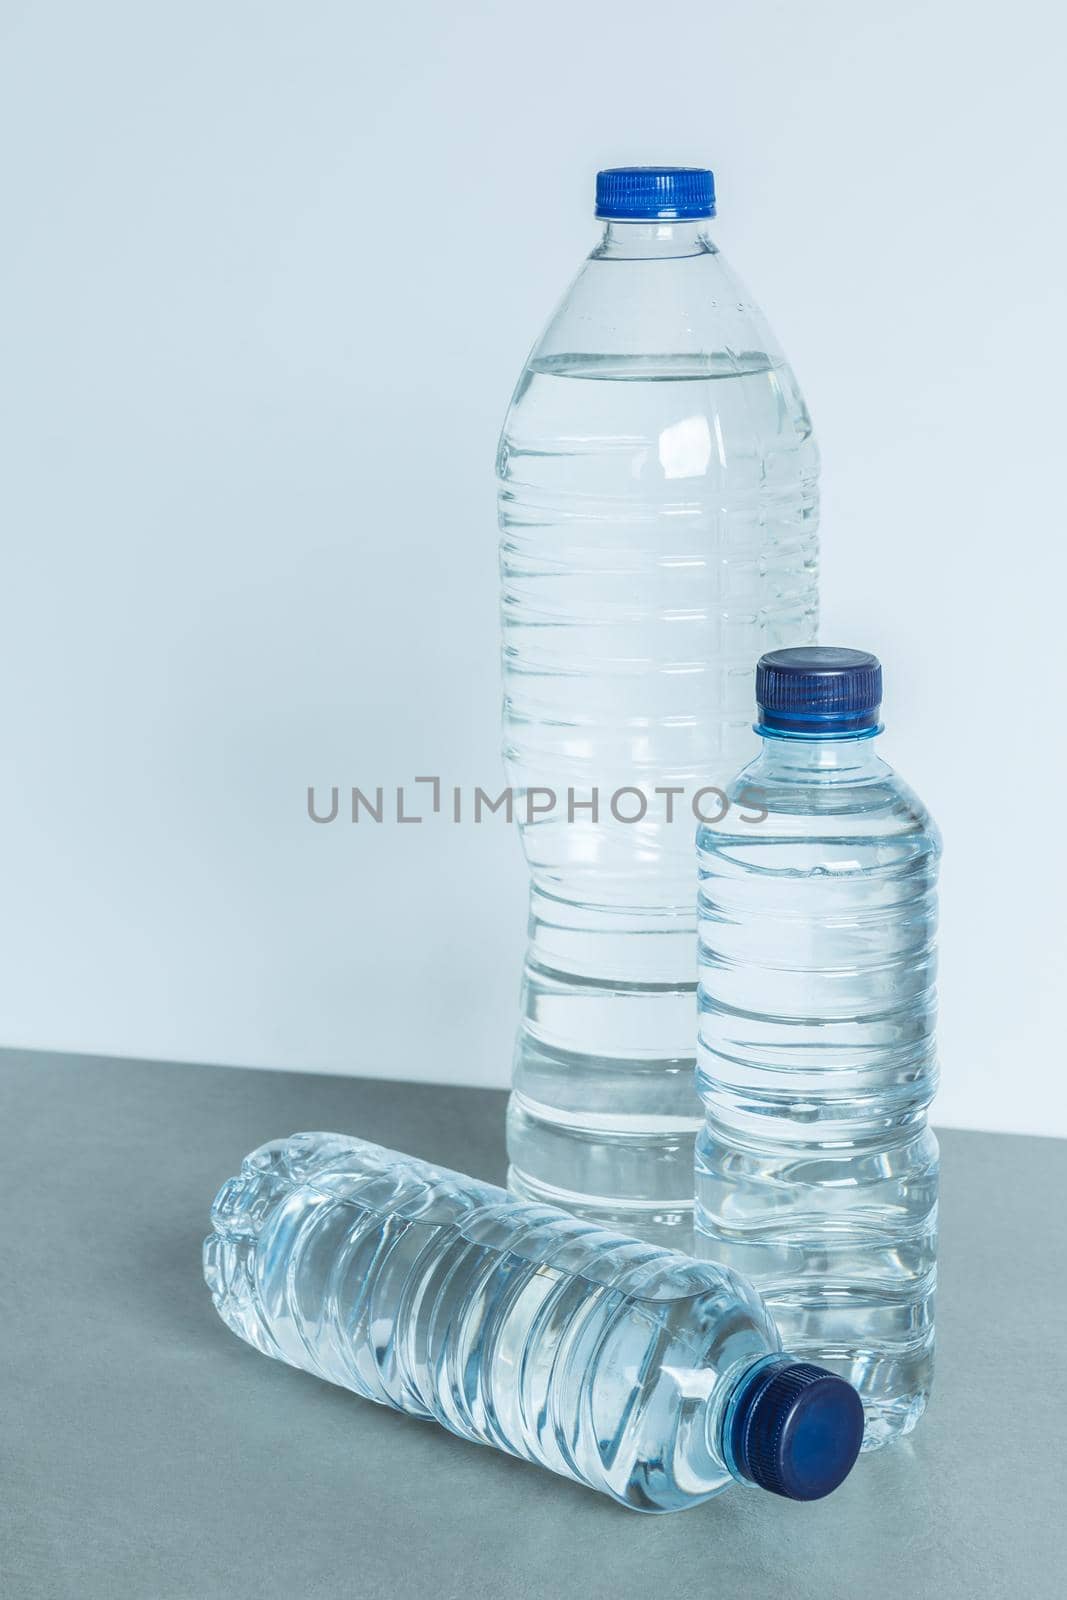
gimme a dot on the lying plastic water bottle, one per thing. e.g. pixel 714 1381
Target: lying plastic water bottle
pixel 654 1378
pixel 658 514
pixel 816 1174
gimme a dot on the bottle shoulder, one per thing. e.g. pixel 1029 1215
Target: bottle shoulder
pixel 691 304
pixel 770 805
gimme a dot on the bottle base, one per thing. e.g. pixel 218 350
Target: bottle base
pixel 841 1242
pixel 894 1389
pixel 890 1420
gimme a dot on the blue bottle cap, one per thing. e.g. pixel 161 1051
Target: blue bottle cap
pixel 647 194
pixel 819 690
pixel 797 1431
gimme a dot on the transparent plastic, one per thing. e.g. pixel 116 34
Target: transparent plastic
pixel 816 1174
pixel 604 1359
pixel 658 515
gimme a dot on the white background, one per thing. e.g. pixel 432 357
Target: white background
pixel 268 275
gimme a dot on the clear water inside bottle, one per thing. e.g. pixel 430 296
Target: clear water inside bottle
pixel 816 1173
pixel 601 1358
pixel 658 513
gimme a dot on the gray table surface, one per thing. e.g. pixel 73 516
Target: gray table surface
pixel 147 1453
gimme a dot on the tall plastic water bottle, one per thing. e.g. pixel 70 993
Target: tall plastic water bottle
pixel 816 1174
pixel 658 515
pixel 656 1379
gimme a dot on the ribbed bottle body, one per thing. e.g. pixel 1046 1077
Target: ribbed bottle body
pixel 658 515
pixel 816 1174
pixel 513 1325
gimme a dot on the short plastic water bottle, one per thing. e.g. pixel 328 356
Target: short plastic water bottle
pixel 654 1378
pixel 816 1174
pixel 658 515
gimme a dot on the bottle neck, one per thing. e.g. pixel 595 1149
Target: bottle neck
pixel 654 241
pixel 783 755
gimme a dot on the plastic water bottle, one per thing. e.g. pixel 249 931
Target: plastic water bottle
pixel 654 1378
pixel 816 1174
pixel 658 515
